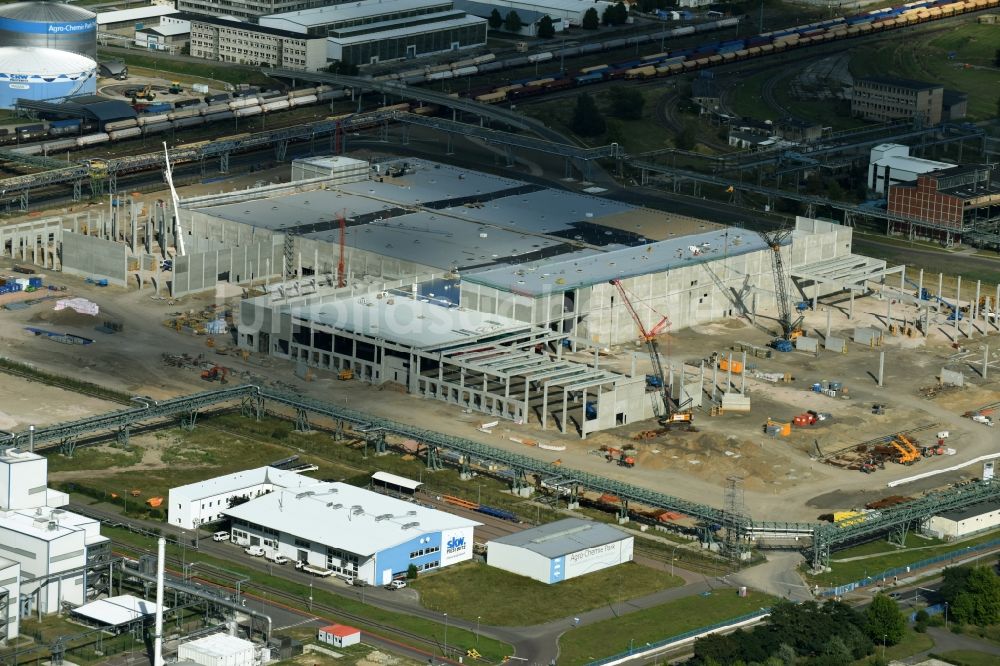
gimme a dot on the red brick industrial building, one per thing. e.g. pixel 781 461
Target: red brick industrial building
pixel 944 204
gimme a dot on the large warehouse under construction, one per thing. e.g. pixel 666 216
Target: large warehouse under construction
pixel 483 291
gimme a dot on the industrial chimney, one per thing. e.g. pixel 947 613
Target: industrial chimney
pixel 161 547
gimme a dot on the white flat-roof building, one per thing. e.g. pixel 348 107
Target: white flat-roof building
pixel 130 18
pixel 561 550
pixel 10 584
pixel 205 501
pixel 115 612
pixel 354 532
pixel 218 650
pixel 959 523
pixel 891 164
pixel 372 31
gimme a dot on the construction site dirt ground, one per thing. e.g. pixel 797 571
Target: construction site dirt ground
pixel 782 478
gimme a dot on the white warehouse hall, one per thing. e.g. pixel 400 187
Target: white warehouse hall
pixel 351 531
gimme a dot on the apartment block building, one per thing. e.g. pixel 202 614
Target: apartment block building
pixel 886 98
pixel 226 40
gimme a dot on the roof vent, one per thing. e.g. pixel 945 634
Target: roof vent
pixel 384 516
pixel 409 526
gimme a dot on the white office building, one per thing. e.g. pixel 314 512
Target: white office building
pixel 891 164
pixel 10 584
pixel 561 550
pixel 205 501
pixel 355 533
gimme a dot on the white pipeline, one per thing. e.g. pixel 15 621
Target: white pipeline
pixel 953 468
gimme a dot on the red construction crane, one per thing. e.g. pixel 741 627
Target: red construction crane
pixel 668 413
pixel 341 275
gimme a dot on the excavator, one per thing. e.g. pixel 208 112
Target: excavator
pixel 668 412
pixel 216 373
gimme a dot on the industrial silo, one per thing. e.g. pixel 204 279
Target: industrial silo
pixel 52 25
pixel 44 74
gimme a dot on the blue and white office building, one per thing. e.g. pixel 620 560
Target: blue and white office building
pixel 352 531
pixel 561 550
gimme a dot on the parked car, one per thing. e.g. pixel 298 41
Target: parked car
pixel 220 536
pixel 254 551
pixel 359 582
pixel 396 585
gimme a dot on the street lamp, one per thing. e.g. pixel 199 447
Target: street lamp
pixel 477 631
pixel 672 552
pixel 310 596
pixel 884 636
pixel 445 635
pixel 946 615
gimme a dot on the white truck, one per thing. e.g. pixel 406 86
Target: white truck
pixel 982 418
pixel 314 570
pixel 275 556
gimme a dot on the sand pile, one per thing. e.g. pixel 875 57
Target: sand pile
pixel 64 318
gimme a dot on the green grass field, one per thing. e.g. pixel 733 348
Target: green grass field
pixel 926 57
pixel 457 637
pixel 229 443
pixel 846 572
pixel 537 602
pixel 636 136
pixel 603 639
pixel 969 658
pixel 912 643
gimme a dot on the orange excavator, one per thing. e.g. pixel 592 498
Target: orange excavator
pixel 216 373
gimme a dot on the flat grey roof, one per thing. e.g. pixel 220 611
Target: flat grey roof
pixel 430 181
pixel 545 211
pixel 439 241
pixel 318 16
pixel 536 278
pixel 970 511
pixel 409 31
pixel 409 322
pixel 302 208
pixel 563 537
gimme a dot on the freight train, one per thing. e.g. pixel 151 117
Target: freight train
pixel 679 61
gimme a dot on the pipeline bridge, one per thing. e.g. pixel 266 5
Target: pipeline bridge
pixel 817 539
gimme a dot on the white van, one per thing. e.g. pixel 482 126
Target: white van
pixel 254 551
pixel 220 536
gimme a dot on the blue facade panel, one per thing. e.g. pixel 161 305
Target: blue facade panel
pixel 398 560
pixel 557 569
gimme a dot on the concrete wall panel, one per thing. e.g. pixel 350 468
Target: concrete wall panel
pixel 94 257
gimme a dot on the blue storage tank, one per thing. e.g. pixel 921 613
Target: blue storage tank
pixel 51 25
pixel 44 74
